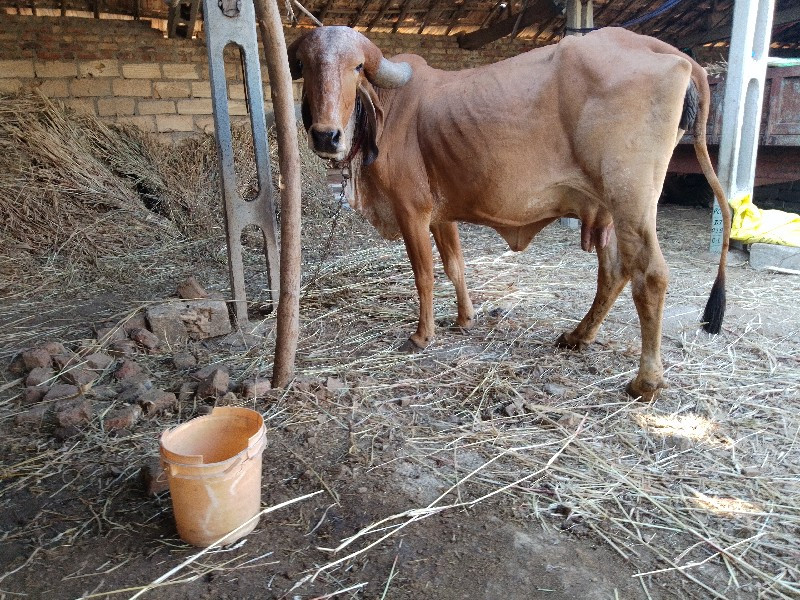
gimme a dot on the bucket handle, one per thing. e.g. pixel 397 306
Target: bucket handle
pixel 245 455
pixel 172 470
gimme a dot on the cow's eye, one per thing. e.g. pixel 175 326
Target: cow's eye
pixel 360 68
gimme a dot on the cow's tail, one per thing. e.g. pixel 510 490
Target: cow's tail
pixel 695 117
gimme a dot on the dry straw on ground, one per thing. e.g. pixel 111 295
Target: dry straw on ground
pixel 703 484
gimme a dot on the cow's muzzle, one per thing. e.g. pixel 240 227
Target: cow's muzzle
pixel 326 141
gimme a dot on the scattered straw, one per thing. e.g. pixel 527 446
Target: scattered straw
pixel 703 484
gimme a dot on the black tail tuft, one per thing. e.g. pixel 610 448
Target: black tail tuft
pixel 715 307
pixel 691 104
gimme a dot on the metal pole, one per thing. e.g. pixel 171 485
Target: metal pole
pixel 579 16
pixel 741 108
pixel 233 22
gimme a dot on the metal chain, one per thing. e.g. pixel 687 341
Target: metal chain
pixel 346 176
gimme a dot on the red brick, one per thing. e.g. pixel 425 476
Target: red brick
pixel 256 388
pixel 61 391
pixel 122 418
pixel 34 394
pixel 191 289
pixel 156 401
pixel 127 369
pixel 146 339
pixel 75 412
pixel 35 416
pixel 80 377
pixel 36 358
pixel 39 375
pixel 66 361
pixel 137 321
pixel 153 478
pixel 99 361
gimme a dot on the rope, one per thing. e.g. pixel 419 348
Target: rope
pixel 654 13
pixel 669 4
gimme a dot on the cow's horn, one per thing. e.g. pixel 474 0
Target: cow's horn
pixel 295 66
pixel 390 74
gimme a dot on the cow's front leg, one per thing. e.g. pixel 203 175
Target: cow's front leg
pixel 416 235
pixel 449 245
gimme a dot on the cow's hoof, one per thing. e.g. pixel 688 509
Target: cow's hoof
pixel 462 329
pixel 465 324
pixel 410 347
pixel 644 391
pixel 567 340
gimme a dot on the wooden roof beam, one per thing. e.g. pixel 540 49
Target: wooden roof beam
pixel 403 14
pixel 454 19
pixel 536 12
pixel 354 21
pixel 324 12
pixel 379 15
pixel 428 14
pixel 723 32
pixel 492 15
pixel 616 18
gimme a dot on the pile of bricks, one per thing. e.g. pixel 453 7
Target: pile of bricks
pixel 105 385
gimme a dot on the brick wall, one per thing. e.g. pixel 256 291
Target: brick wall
pixel 127 72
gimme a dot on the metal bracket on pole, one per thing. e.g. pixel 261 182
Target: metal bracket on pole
pixel 233 22
pixel 741 108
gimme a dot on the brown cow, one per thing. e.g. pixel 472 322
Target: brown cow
pixel 584 129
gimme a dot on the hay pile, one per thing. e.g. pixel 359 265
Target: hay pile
pixel 72 188
pixel 76 192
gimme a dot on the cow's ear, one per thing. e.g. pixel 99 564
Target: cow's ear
pixel 295 66
pixel 373 121
pixel 305 112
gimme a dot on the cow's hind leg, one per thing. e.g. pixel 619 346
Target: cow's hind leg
pixel 610 282
pixel 641 258
pixel 449 245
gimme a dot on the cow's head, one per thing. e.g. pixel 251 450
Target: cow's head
pixel 340 110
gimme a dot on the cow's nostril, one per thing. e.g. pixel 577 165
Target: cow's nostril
pixel 326 140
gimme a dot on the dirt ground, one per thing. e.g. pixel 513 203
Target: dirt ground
pixel 532 474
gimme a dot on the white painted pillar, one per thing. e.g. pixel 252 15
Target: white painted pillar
pixel 741 108
pixel 573 16
pixel 587 15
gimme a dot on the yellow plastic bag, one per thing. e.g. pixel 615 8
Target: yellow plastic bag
pixel 751 224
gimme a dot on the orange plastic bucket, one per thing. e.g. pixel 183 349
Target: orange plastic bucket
pixel 213 466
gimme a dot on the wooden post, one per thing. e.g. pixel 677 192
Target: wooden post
pixel 280 82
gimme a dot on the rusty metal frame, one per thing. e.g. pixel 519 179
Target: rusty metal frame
pixel 239 28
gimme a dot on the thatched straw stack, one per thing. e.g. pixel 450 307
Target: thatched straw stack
pixel 75 191
pixel 71 187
